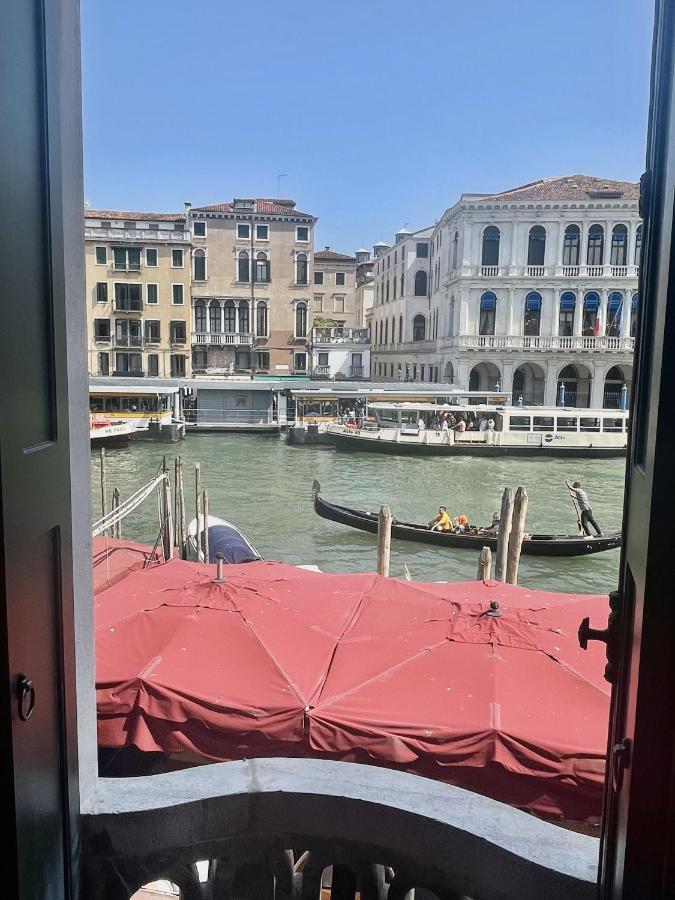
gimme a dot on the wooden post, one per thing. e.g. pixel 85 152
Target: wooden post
pixel 117 527
pixel 197 486
pixel 384 540
pixel 205 504
pixel 182 546
pixel 166 514
pixel 516 538
pixel 176 506
pixel 406 572
pixel 505 521
pixel 103 482
pixel 484 564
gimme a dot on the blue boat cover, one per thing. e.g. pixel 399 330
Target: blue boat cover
pixel 233 545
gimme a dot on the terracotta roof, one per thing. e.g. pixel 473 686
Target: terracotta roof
pixel 133 216
pixel 262 207
pixel 329 254
pixel 570 187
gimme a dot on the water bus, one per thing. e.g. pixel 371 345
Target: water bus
pixel 149 412
pixel 104 432
pixel 415 429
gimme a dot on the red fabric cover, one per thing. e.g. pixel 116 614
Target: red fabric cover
pixel 281 661
pixel 115 559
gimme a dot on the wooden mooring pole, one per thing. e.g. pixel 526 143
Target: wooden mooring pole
pixel 197 534
pixel 166 514
pixel 516 538
pixel 384 540
pixel 117 527
pixel 205 505
pixel 181 524
pixel 484 564
pixel 103 482
pixel 505 522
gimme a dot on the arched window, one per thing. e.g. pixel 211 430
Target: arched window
pixel 532 317
pixel 200 317
pixel 596 245
pixel 568 302
pixel 591 322
pixel 490 251
pixel 638 245
pixel 301 320
pixel 402 282
pixel 262 268
pixel 301 270
pixel 261 319
pixel 536 246
pixel 455 246
pixel 244 318
pixel 199 265
pixel 419 328
pixel 230 317
pixel 393 329
pixel 214 317
pixel 614 314
pixel 488 307
pixel 634 314
pixel 386 331
pixel 420 283
pixel 618 251
pixel 400 329
pixel 243 267
pixel 571 246
pixel 387 290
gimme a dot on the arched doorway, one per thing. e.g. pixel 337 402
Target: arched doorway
pixel 529 381
pixel 485 377
pixel 576 381
pixel 615 378
pixel 449 373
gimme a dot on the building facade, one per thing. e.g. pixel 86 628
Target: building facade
pixel 334 297
pixel 364 292
pixel 340 353
pixel 137 282
pixel 533 290
pixel 252 277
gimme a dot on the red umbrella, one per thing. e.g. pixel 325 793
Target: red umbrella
pixel 114 559
pixel 278 661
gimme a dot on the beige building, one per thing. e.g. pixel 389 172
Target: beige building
pixel 137 278
pixel 334 288
pixel 251 291
pixel 364 294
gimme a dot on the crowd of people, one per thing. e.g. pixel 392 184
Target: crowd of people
pixel 448 421
pixel 460 525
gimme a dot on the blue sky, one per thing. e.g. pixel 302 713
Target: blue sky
pixel 378 113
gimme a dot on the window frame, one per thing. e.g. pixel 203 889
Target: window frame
pixel 300 240
pixel 247 226
pixel 174 285
pixel 174 325
pixel 342 275
pixel 148 285
pixel 202 223
pixel 180 250
pixel 151 265
pixel 262 225
pixel 97 292
pixel 199 253
pixel 101 337
pixel 97 261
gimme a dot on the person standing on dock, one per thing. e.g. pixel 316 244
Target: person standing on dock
pixel 585 508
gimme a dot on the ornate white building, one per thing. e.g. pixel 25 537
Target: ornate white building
pixel 531 289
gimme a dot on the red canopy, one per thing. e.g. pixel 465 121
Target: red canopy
pixel 283 662
pixel 115 559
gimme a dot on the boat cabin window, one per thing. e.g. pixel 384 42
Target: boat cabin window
pixel 588 423
pixel 614 425
pixel 543 423
pixel 520 423
pixel 567 423
pixel 96 404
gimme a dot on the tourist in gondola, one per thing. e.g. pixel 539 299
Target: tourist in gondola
pixel 442 521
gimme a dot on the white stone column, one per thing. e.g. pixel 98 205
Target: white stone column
pixel 461 375
pixel 578 313
pixel 583 251
pixel 602 312
pixel 511 326
pixel 597 385
pixel 551 386
pixel 466 246
pixel 222 316
pixel 507 375
pixel 558 256
pixel 514 246
pixel 236 317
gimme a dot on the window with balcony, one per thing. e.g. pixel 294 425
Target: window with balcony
pixel 243 266
pixel 634 314
pixel 263 273
pixel 151 257
pixel 200 317
pixel 572 246
pixel 127 259
pixel 104 364
pixel 262 360
pixel 596 245
pixel 229 316
pixel 243 231
pixel 177 294
pixel 199 229
pixel 318 277
pixel 488 310
pixel 490 248
pixel 301 269
pixel 638 245
pixel 177 365
pixel 618 252
pixel 152 294
pixel 614 313
pixel 339 278
pixel 128 297
pixel 199 360
pixel 301 320
pixel 420 284
pixel 153 364
pixel 215 317
pixel 199 265
pixel 128 333
pixel 128 364
pixel 419 328
pixel 177 332
pixel 244 319
pixel 532 315
pixel 536 246
pixel 590 321
pixel 261 320
pixel 101 256
pixel 101 291
pixel 302 233
pixel 152 331
pixel 421 251
pixel 262 232
pixel 568 302
pixel 102 329
pixel 177 258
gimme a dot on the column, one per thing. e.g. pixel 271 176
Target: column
pixel 583 250
pixel 462 374
pixel 507 376
pixel 597 386
pixel 630 250
pixel 578 313
pixel 236 317
pixel 608 246
pixel 551 386
pixel 558 255
pixel 514 245
pixel 222 316
pixel 466 245
pixel 512 322
pixel 602 312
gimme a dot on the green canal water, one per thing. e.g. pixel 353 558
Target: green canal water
pixel 264 487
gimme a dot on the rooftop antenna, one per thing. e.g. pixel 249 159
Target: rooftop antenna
pixel 279 177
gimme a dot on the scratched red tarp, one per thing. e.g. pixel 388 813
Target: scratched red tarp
pixel 278 661
pixel 114 559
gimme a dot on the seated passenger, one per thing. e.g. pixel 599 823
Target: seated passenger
pixel 442 521
pixel 462 525
pixel 493 527
pixel 461 425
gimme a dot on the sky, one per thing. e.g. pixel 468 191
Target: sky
pixel 377 114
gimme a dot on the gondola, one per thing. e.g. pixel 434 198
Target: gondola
pixel 224 538
pixel 534 545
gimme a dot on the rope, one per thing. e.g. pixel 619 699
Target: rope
pixel 129 505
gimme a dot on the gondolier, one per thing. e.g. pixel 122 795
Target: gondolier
pixel 585 509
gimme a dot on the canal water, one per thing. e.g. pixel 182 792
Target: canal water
pixel 264 487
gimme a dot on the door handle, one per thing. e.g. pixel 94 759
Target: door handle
pixel 25 697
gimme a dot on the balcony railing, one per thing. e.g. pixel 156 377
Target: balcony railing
pixel 136 373
pixel 570 271
pixel 567 271
pixel 322 371
pixel 137 235
pixel 535 271
pixel 619 271
pixel 594 271
pixel 339 335
pixel 544 342
pixel 223 339
pixel 489 271
pixel 128 305
pixel 128 341
pixel 356 371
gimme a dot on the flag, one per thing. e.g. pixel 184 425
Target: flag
pixel 596 326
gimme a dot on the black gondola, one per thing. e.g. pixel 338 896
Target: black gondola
pixel 534 545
